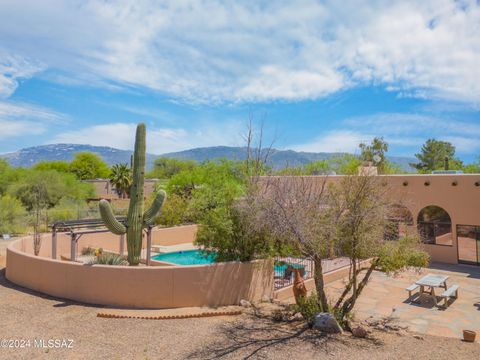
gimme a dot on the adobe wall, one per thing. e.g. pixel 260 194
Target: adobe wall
pixel 457 194
pixel 138 287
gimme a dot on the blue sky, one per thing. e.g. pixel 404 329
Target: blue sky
pixel 324 76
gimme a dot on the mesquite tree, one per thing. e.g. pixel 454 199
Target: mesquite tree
pixel 296 210
pixel 344 216
pixel 363 203
pixel 137 218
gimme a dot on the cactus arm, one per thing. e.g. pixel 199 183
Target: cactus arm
pixel 150 215
pixel 109 219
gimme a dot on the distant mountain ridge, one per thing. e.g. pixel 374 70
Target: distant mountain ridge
pixel 30 156
pixel 278 158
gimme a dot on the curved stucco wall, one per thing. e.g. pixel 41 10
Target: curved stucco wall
pixel 137 287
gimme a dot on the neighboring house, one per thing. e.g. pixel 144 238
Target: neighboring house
pixel 105 190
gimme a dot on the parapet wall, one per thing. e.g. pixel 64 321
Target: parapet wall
pixel 151 287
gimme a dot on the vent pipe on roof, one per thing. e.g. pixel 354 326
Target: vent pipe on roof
pixel 446 163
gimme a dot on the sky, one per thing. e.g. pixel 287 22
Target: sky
pixel 322 76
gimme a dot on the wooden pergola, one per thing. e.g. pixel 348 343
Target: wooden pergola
pixel 77 228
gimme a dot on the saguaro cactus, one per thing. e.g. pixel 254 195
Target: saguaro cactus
pixel 137 218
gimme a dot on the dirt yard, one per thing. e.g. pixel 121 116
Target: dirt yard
pixel 29 316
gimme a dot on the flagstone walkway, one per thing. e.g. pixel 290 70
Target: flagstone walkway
pixel 386 296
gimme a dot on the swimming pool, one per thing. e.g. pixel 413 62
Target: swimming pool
pixel 187 257
pixel 198 257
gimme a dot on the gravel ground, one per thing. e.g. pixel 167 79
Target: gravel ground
pixel 27 315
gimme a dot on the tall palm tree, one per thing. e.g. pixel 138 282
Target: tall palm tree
pixel 121 178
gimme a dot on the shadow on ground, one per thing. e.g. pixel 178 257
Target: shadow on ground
pixel 5 283
pixel 471 271
pixel 258 335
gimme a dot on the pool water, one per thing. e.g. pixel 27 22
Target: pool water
pixel 198 257
pixel 187 257
pixel 280 268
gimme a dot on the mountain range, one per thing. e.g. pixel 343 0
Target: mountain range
pixel 278 158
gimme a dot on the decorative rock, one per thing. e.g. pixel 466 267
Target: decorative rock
pixel 327 323
pixel 296 317
pixel 245 303
pixel 359 332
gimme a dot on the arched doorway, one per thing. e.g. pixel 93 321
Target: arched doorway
pixel 435 226
pixel 398 218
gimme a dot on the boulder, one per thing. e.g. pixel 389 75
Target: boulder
pixel 359 332
pixel 327 323
pixel 296 317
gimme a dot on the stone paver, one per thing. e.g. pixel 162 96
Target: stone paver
pixel 386 296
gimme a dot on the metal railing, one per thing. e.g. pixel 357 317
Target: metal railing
pixel 284 269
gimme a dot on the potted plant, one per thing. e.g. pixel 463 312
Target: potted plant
pixel 469 335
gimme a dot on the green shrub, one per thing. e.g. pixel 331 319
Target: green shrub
pixel 231 233
pixel 401 254
pixel 13 216
pixel 174 211
pixel 309 307
pixel 67 209
pixel 109 259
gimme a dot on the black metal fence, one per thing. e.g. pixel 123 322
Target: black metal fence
pixel 284 269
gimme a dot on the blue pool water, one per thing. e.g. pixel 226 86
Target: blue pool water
pixel 198 257
pixel 188 257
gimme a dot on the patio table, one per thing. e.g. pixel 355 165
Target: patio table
pixel 432 281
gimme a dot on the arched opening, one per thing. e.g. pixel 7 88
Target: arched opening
pixel 435 226
pixel 398 219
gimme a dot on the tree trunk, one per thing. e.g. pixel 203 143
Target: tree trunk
pixel 347 289
pixel 319 283
pixel 350 303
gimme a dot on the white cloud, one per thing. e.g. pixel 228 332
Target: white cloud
pixel 12 129
pixel 20 119
pixel 159 140
pixel 335 141
pixel 398 129
pixel 254 50
pixel 12 69
pixel 21 111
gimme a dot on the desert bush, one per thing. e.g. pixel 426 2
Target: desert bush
pixel 88 251
pixel 401 254
pixel 308 306
pixel 229 232
pixel 109 259
pixel 174 211
pixel 67 209
pixel 13 215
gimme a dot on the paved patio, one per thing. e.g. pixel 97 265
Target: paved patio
pixel 386 296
